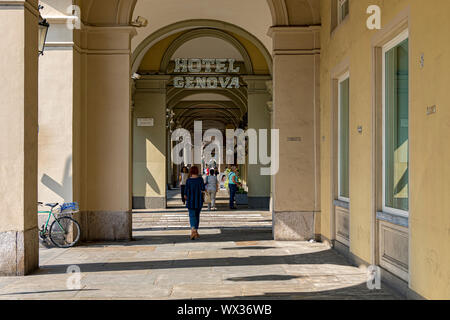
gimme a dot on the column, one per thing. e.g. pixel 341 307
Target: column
pixel 258 118
pixel 296 206
pixel 105 165
pixel 269 86
pixel 19 246
pixel 150 143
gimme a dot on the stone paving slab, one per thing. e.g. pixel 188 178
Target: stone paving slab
pixel 235 258
pixel 206 291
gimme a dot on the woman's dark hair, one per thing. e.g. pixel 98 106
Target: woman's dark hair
pixel 211 172
pixel 185 170
pixel 193 171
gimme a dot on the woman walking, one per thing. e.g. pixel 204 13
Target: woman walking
pixel 233 183
pixel 183 178
pixel 195 187
pixel 211 188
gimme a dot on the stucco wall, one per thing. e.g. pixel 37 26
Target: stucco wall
pixel 56 83
pixel 55 126
pixel 429 155
pixel 149 143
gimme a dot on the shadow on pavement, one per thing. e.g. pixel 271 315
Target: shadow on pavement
pixel 47 291
pixel 355 292
pixel 270 277
pixel 319 258
pixel 250 248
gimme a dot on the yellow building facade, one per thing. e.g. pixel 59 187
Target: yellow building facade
pixel 356 88
pixel 415 249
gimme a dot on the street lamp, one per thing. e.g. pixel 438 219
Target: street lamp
pixel 43 30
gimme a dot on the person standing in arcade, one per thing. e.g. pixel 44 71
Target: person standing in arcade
pixel 233 183
pixel 195 188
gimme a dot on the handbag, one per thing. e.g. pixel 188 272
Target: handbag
pixel 207 198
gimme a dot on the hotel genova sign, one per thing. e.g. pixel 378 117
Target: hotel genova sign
pixel 206 74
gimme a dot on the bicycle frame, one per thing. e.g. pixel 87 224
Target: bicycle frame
pixel 50 214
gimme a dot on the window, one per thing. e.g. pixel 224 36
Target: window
pixel 396 125
pixel 343 9
pixel 344 138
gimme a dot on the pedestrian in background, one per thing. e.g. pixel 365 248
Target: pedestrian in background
pixel 211 187
pixel 233 183
pixel 183 178
pixel 195 188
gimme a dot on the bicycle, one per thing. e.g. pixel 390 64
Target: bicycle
pixel 64 232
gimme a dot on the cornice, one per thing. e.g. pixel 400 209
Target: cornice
pixel 21 4
pixel 287 29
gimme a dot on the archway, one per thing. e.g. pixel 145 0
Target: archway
pixel 216 106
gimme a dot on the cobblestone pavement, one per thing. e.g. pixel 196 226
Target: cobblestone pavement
pixel 235 258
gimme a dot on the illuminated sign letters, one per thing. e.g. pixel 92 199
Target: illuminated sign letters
pixel 214 67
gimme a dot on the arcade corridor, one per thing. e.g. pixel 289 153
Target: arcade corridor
pixel 235 258
pixel 334 113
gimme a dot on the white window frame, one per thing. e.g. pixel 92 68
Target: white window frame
pixel 341 79
pixel 388 46
pixel 340 4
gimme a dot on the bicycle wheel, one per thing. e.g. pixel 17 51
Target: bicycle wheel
pixel 64 232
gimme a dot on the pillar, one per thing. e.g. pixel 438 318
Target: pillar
pixel 296 197
pixel 104 166
pixel 150 143
pixel 169 166
pixel 19 246
pixel 258 118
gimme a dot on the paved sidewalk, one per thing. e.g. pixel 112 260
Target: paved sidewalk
pixel 235 258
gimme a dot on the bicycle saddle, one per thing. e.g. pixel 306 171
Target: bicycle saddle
pixel 51 205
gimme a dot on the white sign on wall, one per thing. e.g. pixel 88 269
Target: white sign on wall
pixel 213 67
pixel 145 122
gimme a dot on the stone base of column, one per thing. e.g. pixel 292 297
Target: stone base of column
pixel 262 203
pixel 19 252
pixel 149 202
pixel 105 225
pixel 293 226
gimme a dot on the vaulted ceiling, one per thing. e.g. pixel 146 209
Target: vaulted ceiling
pixel 295 12
pixel 106 12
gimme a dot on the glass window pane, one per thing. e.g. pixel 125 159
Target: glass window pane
pixel 396 127
pixel 344 137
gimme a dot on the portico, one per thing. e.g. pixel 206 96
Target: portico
pixel 91 120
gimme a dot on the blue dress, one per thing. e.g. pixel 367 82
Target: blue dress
pixel 194 188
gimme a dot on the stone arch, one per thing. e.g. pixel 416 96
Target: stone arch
pixel 226 116
pixel 106 12
pixel 239 99
pixel 200 33
pixel 233 116
pixel 295 12
pixel 279 12
pixel 164 32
